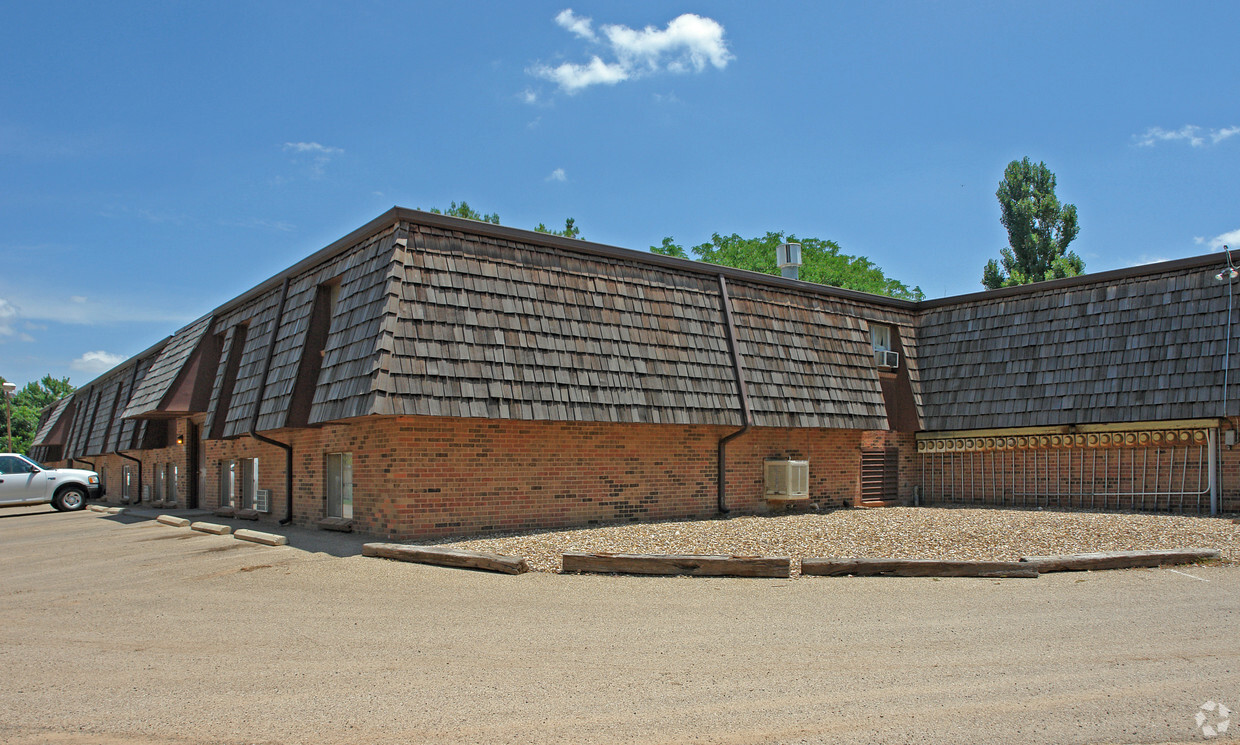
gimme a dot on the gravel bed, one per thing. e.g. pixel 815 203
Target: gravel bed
pixel 893 532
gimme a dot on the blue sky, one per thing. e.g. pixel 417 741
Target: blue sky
pixel 159 159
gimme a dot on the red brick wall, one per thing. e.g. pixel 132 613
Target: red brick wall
pixel 424 477
pixel 110 467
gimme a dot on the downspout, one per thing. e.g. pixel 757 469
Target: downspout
pixel 132 383
pixel 81 460
pixel 258 403
pixel 746 416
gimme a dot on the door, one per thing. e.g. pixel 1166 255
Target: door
pixel 340 485
pixel 196 478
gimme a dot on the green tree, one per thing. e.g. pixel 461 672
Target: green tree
pixel 570 229
pixel 1039 229
pixel 467 212
pixel 821 262
pixel 28 403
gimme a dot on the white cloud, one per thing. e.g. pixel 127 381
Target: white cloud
pixel 1144 259
pixel 558 175
pixel 319 154
pixel 529 96
pixel 1190 133
pixel 96 362
pixel 311 147
pixel 1226 239
pixel 8 317
pixel 84 311
pixel 575 24
pixel 572 78
pixel 690 43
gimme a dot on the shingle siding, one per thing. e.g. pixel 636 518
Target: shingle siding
pixel 165 369
pixel 488 328
pixel 1136 349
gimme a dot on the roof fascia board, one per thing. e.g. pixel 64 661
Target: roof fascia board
pixel 576 245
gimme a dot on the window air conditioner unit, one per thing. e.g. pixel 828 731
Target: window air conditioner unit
pixel 787 479
pixel 886 358
pixel 262 500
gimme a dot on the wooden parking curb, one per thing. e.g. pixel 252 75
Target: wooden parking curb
pixel 1119 559
pixel 448 557
pixel 256 536
pixel 915 568
pixel 212 528
pixel 173 520
pixel 96 508
pixel 676 564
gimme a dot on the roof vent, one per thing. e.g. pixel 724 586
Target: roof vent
pixel 788 258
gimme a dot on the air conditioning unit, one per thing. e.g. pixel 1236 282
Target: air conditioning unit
pixel 787 480
pixel 262 500
pixel 886 358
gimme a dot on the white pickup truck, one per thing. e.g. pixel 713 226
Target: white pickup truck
pixel 23 481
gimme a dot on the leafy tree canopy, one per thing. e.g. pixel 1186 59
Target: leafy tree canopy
pixel 821 262
pixel 27 404
pixel 469 213
pixel 1039 229
pixel 570 229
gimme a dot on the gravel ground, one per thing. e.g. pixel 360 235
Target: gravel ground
pixel 894 532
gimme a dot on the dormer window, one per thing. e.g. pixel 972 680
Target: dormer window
pixel 884 355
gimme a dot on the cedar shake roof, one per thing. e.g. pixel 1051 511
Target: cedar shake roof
pixel 423 314
pixel 1114 347
pixel 48 420
pixel 166 368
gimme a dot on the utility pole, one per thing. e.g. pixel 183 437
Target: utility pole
pixel 8 410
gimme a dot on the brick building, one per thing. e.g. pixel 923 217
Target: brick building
pixel 430 376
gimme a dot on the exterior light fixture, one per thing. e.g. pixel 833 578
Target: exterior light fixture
pixel 180 439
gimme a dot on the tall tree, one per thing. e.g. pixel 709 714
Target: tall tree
pixel 1039 229
pixel 28 403
pixel 821 261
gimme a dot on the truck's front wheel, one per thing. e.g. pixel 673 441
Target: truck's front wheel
pixel 69 499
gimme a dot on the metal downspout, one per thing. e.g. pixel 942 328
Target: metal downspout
pixel 746 416
pixel 1212 447
pixel 258 403
pixel 81 460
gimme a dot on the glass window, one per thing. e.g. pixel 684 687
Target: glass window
pixel 228 482
pixel 170 480
pixel 880 337
pixel 249 482
pixel 340 485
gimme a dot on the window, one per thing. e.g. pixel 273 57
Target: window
pixel 127 485
pixel 159 482
pixel 170 484
pixel 228 483
pixel 340 485
pixel 13 464
pixel 249 482
pixel 880 340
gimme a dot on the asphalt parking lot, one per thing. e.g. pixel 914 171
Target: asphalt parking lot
pixel 118 629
